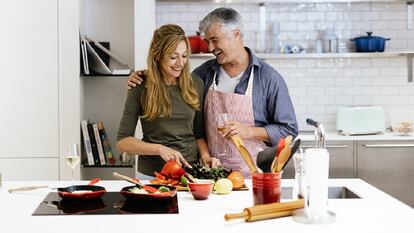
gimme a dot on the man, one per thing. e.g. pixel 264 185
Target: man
pixel 238 83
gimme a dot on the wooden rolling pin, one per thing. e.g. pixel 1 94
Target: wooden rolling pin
pixel 267 211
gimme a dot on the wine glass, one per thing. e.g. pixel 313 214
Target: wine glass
pixel 72 157
pixel 222 118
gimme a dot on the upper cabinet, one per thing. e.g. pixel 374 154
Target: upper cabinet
pixel 30 78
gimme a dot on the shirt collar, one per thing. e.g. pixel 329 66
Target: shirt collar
pixel 253 61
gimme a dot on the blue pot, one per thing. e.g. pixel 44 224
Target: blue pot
pixel 370 43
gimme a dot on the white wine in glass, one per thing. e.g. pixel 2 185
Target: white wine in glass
pixel 222 118
pixel 72 157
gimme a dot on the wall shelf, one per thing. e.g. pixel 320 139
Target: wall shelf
pixel 391 54
pixel 285 1
pixel 317 55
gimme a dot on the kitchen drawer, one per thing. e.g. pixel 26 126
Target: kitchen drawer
pixel 15 169
pixel 341 160
pixel 388 165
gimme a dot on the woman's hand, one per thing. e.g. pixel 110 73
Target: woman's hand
pixel 167 154
pixel 135 78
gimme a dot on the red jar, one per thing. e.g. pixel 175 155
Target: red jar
pixel 266 187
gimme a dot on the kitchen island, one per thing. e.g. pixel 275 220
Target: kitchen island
pixel 375 211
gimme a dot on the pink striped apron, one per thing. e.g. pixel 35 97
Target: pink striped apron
pixel 240 108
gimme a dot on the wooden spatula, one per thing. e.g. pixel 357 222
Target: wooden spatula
pixel 247 158
pixel 288 140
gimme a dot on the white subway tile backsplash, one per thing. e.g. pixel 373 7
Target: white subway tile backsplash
pixel 380 100
pixel 179 7
pixel 371 91
pixel 352 90
pixel 370 16
pixel 309 100
pixel 361 100
pixel 297 16
pixel 318 87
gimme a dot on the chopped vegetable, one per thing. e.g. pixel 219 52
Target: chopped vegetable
pixel 199 171
pixel 137 190
pixel 164 189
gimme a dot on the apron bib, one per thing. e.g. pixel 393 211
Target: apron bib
pixel 240 108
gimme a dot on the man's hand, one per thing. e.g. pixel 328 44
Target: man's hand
pixel 211 162
pixel 167 154
pixel 135 78
pixel 237 128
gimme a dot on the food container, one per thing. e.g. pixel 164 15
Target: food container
pixel 402 123
pixel 266 187
pixel 370 43
pixel 202 189
pixel 197 44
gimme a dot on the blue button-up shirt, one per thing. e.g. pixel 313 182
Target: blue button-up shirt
pixel 272 106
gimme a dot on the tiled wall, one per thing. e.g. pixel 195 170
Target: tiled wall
pixel 319 86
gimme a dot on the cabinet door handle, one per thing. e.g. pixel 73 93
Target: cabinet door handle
pixel 328 146
pixel 388 145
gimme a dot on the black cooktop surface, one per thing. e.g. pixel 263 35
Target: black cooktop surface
pixel 109 203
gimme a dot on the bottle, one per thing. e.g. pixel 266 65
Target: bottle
pixel 331 40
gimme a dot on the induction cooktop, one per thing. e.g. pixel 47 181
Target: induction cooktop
pixel 109 203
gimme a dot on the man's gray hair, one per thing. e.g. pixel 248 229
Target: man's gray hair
pixel 228 17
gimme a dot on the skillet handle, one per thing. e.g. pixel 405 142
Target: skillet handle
pixel 129 179
pixel 27 188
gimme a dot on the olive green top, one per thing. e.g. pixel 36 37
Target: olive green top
pixel 178 132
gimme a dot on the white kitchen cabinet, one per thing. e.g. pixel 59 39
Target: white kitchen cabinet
pixel 30 168
pixel 341 160
pixel 29 79
pixel 37 87
pixel 388 165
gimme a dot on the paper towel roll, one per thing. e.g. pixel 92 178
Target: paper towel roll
pixel 317 172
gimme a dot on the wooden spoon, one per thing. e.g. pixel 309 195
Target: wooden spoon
pixel 136 182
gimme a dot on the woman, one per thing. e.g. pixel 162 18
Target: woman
pixel 169 104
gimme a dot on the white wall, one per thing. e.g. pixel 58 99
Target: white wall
pixel 319 86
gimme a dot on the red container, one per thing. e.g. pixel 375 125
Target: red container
pixel 202 189
pixel 266 187
pixel 198 44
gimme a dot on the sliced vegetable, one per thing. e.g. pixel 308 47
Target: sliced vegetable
pixel 164 189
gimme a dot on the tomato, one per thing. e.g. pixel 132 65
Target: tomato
pixel 172 169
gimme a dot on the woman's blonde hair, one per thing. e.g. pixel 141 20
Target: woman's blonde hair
pixel 156 101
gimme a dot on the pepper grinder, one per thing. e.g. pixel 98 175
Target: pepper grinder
pixel 316 164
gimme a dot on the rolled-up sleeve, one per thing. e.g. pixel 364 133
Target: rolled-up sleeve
pixel 282 118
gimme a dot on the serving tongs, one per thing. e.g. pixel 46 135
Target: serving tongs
pixel 136 182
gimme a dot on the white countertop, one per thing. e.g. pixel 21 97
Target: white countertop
pixel 375 212
pixel 333 136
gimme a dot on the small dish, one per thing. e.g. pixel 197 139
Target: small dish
pixel 202 189
pixel 149 196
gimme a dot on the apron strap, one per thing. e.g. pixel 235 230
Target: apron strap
pixel 249 89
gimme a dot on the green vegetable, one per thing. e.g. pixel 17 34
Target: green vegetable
pixel 163 189
pixel 201 172
pixel 184 181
